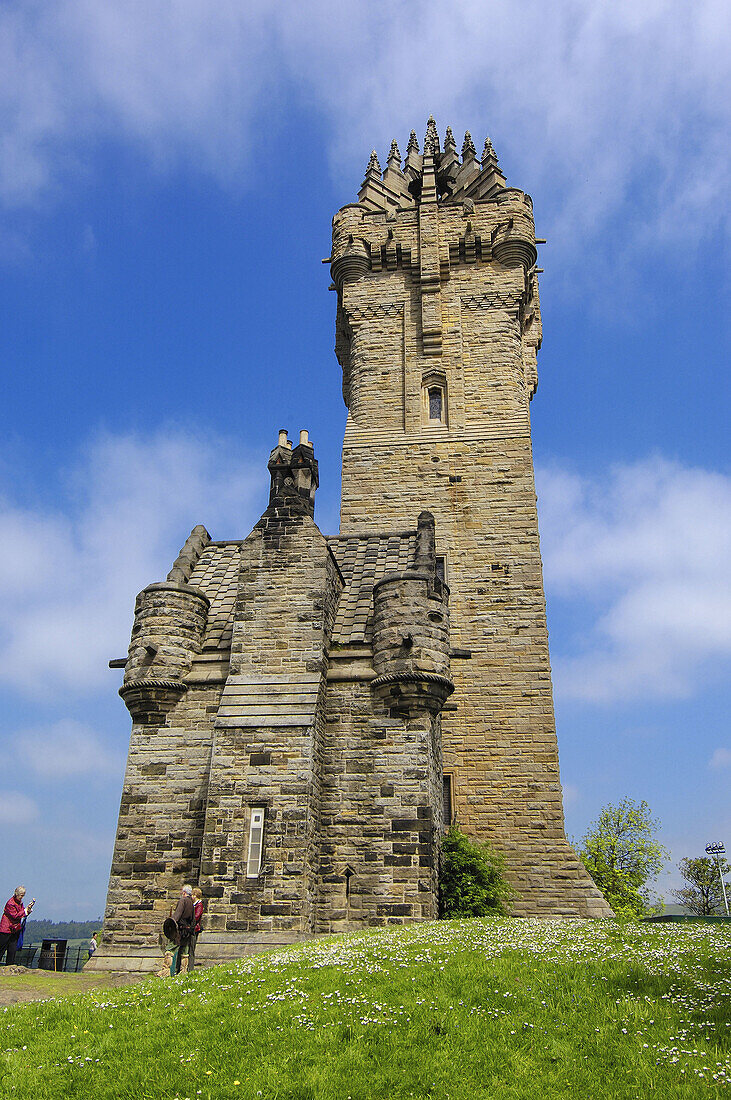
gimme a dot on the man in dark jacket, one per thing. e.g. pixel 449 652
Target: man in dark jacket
pixel 183 917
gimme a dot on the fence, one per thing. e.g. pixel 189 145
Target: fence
pixel 43 956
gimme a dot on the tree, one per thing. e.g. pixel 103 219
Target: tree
pixel 703 895
pixel 472 879
pixel 622 856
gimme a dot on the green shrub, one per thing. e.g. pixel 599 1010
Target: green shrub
pixel 622 856
pixel 472 879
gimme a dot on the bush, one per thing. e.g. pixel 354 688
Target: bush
pixel 472 879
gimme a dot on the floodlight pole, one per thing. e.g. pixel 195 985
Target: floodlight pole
pixel 719 850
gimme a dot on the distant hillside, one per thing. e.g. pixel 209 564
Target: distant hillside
pixel 37 930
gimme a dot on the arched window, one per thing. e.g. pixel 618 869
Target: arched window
pixel 434 399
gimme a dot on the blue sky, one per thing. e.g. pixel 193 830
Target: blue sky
pixel 168 173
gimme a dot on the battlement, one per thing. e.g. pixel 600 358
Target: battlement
pixel 438 174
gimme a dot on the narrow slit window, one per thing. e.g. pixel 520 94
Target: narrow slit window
pixel 447 796
pixel 435 403
pixel 256 842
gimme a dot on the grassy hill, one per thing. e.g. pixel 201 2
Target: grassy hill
pixel 453 1009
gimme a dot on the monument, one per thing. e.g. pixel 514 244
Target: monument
pixel 310 712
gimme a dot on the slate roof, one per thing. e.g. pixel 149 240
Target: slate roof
pixel 216 574
pixel 363 559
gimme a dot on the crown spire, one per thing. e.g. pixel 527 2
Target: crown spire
pixel 437 176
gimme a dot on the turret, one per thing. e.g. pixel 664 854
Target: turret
pixel 350 259
pixel 170 621
pixel 411 633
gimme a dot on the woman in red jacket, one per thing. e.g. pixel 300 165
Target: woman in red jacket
pixel 197 919
pixel 11 923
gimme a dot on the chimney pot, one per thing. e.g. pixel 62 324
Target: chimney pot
pixel 304 438
pixel 283 437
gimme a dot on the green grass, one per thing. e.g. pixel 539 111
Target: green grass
pixel 49 984
pixel 455 1009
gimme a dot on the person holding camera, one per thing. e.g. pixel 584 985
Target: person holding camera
pixel 11 923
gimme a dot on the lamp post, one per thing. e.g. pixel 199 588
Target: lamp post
pixel 719 850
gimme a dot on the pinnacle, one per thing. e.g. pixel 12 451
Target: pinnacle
pixel 395 153
pixel 488 151
pixel 449 139
pixel 468 146
pixel 373 165
pixel 431 140
pixel 413 146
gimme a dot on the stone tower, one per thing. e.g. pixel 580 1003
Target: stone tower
pixel 438 326
pixel 309 712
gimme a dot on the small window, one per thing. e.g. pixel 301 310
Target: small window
pixel 434 398
pixel 256 842
pixel 447 796
pixel 441 567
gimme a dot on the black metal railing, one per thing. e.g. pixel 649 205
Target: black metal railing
pixel 36 955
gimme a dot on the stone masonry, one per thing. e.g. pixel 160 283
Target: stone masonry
pixel 307 710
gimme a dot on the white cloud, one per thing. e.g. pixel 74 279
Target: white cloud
pixel 720 759
pixel 646 551
pixel 571 795
pixel 16 808
pixel 65 748
pixel 587 104
pixel 70 573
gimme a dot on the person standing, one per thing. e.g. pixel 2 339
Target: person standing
pixel 92 944
pixel 197 924
pixel 183 916
pixel 11 923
